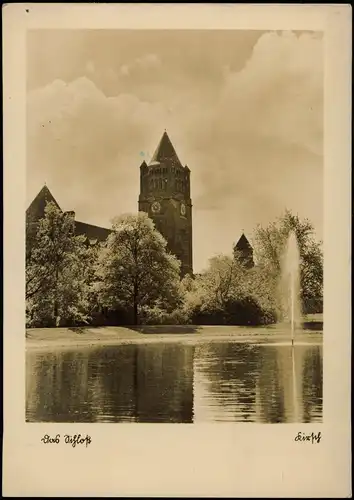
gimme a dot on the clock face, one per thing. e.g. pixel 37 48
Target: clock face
pixel 183 209
pixel 156 207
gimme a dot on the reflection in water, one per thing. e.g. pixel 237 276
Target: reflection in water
pixel 225 382
pixel 176 382
pixel 312 385
pixel 132 383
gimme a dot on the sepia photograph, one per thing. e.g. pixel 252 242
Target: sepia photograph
pixel 177 250
pixel 174 226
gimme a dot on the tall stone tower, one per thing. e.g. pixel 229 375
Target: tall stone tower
pixel 165 195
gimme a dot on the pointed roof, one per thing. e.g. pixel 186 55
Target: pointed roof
pixel 37 207
pixel 36 211
pixel 243 243
pixel 165 151
pixel 91 231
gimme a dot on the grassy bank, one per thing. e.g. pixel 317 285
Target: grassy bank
pixel 50 338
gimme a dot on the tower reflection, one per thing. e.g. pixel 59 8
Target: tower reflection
pixel 225 382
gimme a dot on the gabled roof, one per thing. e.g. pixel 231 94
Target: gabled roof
pixel 91 232
pixel 37 207
pixel 165 151
pixel 36 211
pixel 243 243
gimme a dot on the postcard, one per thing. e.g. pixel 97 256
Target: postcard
pixel 177 250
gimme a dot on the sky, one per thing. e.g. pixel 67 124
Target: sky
pixel 243 109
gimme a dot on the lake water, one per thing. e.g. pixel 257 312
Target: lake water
pixel 177 382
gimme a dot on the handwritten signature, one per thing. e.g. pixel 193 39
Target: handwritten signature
pixel 76 439
pixel 312 438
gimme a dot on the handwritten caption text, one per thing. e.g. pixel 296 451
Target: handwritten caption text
pixel 73 440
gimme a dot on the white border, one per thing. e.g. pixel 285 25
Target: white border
pixel 181 460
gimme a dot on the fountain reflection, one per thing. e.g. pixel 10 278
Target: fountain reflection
pixel 257 384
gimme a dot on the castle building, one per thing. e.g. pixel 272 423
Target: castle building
pixel 36 211
pixel 165 195
pixel 245 251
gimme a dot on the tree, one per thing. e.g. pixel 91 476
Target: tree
pixel 135 272
pixel 226 292
pixel 221 281
pixel 206 296
pixel 56 270
pixel 269 248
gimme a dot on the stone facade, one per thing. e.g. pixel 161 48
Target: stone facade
pixel 165 195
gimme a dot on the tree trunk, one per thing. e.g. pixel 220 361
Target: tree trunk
pixel 56 306
pixel 135 304
pixel 135 312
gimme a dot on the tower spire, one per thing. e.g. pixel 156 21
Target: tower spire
pixel 165 150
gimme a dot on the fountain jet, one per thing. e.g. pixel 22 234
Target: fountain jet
pixel 291 283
